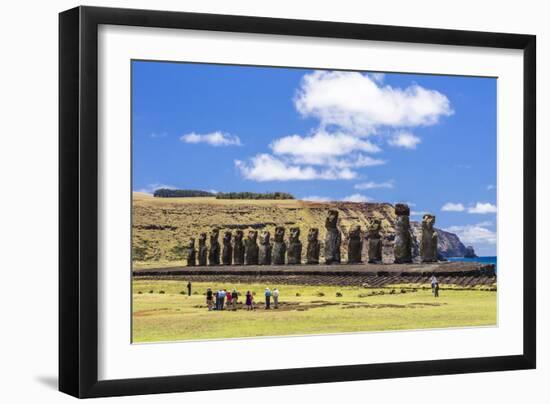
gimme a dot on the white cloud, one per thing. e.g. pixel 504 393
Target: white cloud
pixel 150 188
pixel 453 207
pixel 357 198
pixel 472 234
pixel 485 223
pixel 264 167
pixel 483 208
pixel 418 212
pixel 491 187
pixel 404 139
pixel 360 103
pixel 315 198
pixel 372 185
pixel 322 145
pixel 214 139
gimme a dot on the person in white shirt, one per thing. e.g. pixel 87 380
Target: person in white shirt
pixel 435 286
pixel 275 295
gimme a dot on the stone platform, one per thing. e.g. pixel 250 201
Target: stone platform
pixel 447 269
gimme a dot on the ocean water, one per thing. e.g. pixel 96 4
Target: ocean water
pixel 483 260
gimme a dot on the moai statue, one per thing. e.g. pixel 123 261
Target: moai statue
pixel 252 250
pixel 374 240
pixel 333 239
pixel 227 251
pixel 203 250
pixel 279 247
pixel 428 243
pixel 264 256
pixel 313 246
pixel 238 248
pixel 402 244
pixel 355 245
pixel 191 253
pixel 214 253
pixel 294 254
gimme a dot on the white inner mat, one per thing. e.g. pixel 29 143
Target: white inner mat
pixel 118 358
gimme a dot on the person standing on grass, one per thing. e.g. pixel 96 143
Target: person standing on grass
pixel 217 296
pixel 248 300
pixel 275 298
pixel 435 286
pixel 189 288
pixel 267 298
pixel 222 298
pixel 209 298
pixel 235 295
pixel 229 297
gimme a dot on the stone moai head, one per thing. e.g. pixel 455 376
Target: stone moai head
pixel 191 243
pixel 402 209
pixel 355 231
pixel 313 234
pixel 202 239
pixel 428 221
pixel 252 236
pixel 279 234
pixel 294 235
pixel 264 237
pixel 332 219
pixel 374 225
pixel 214 235
pixel 227 237
pixel 239 236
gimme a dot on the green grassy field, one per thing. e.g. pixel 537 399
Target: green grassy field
pixel 168 315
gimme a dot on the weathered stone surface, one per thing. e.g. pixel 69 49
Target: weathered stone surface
pixel 214 252
pixel 227 251
pixel 203 250
pixel 279 246
pixel 238 248
pixel 191 253
pixel 264 257
pixel 333 238
pixel 428 243
pixel 374 240
pixel 313 246
pixel 294 254
pixel 251 250
pixel 402 243
pixel 355 245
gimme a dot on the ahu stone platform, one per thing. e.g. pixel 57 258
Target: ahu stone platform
pixel 441 269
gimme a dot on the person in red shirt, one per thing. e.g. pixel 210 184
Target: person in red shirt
pixel 229 298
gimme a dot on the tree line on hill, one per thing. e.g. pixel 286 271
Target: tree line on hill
pixel 190 193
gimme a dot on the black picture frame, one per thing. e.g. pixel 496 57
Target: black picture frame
pixel 78 201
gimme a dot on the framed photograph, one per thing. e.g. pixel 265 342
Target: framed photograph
pixel 251 201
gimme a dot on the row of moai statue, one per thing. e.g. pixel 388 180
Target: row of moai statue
pixel 239 251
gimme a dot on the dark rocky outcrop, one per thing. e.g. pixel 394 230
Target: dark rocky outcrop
pixel 470 253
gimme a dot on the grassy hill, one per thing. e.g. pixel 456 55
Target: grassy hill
pixel 162 226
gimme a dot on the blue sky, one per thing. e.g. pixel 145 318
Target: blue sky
pixel 423 139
